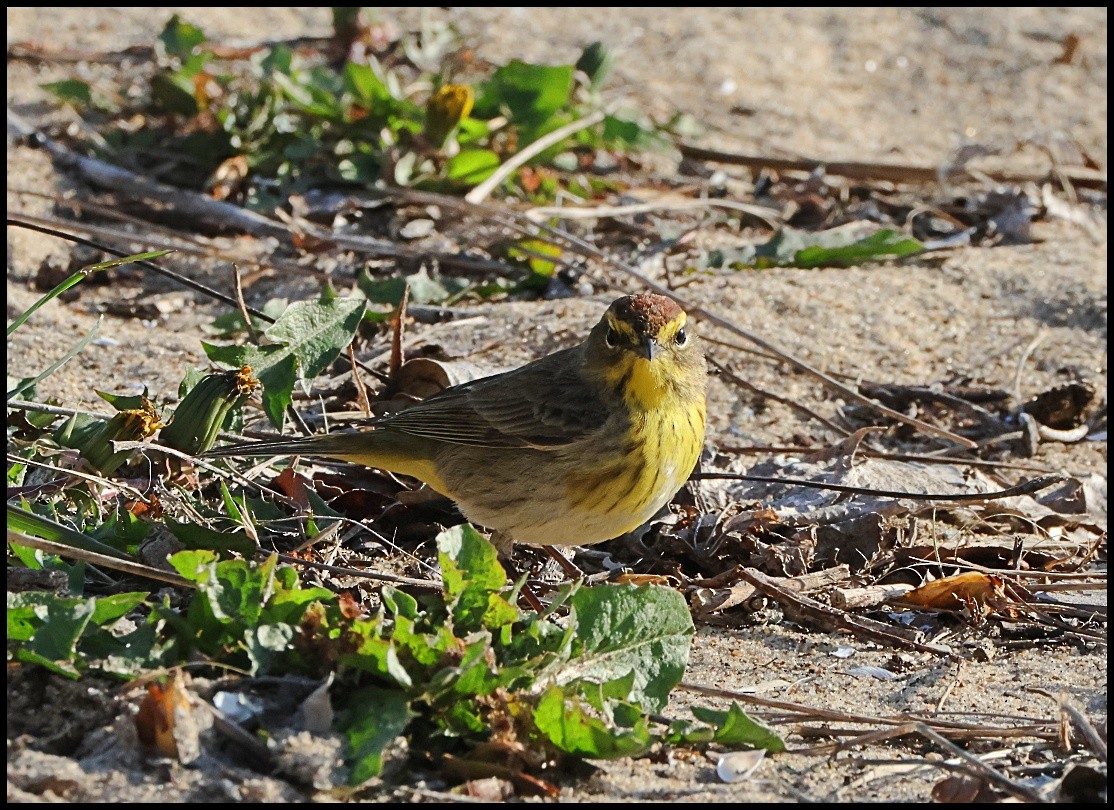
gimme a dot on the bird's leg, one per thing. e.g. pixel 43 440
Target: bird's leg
pixel 505 548
pixel 571 569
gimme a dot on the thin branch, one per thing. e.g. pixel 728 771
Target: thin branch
pixel 808 412
pixel 239 287
pixel 1022 360
pixel 356 572
pixel 893 172
pixel 870 451
pixel 826 615
pixel 770 216
pixel 34 224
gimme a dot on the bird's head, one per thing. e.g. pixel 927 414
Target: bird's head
pixel 645 345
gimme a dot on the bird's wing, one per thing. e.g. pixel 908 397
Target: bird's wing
pixel 545 404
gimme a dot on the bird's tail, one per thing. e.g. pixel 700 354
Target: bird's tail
pixel 381 448
pixel 333 445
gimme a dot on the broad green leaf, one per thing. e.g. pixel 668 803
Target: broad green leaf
pixel 472 575
pixel 48 628
pixel 571 725
pixel 315 333
pixel 375 717
pixel 369 651
pixel 470 167
pixel 623 629
pixel 266 643
pixel 531 93
pixel 235 589
pixel 735 728
pixel 110 608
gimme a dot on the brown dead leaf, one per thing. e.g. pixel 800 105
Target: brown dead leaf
pixel 963 789
pixel 961 590
pixel 349 607
pixel 646 579
pixel 228 179
pixel 168 722
pixel 293 486
pixel 1063 407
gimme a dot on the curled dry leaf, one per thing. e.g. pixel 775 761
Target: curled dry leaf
pixel 423 377
pixel 169 722
pixel 961 590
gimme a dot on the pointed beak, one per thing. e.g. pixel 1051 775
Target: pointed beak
pixel 650 349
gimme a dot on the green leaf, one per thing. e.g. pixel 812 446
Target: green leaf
pixel 110 608
pixel 472 576
pixel 74 91
pixel 231 323
pixel 48 628
pixel 531 93
pixel 20 520
pixel 532 253
pixel 622 629
pixel 309 334
pixel 836 247
pixel 365 86
pixel 625 133
pixel 375 718
pixel 315 332
pixel 735 728
pixel 180 38
pixel 883 244
pixel 470 167
pixel 124 402
pixel 595 62
pixel 173 92
pixel 196 536
pixel 568 722
pixel 266 643
pixel 123 530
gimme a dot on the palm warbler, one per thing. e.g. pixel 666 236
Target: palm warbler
pixel 578 447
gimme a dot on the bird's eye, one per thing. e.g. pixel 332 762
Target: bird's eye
pixel 612 337
pixel 681 338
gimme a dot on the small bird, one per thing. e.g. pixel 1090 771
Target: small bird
pixel 575 448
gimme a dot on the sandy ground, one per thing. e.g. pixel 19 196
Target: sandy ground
pixel 907 85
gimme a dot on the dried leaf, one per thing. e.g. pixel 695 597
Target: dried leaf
pixel 950 593
pixel 168 722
